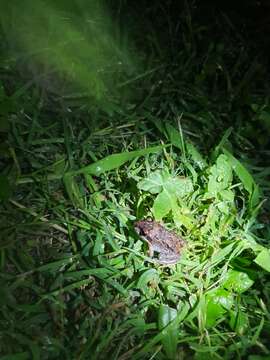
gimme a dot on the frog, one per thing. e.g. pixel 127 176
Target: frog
pixel 166 244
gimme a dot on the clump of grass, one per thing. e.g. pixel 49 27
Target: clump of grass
pixel 76 280
pixel 194 306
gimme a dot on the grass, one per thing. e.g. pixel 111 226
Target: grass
pixel 171 142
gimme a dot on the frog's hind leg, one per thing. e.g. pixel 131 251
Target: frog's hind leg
pixel 150 247
pixel 168 259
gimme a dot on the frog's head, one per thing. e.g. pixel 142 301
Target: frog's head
pixel 143 227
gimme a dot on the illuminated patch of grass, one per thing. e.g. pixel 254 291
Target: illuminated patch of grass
pixel 101 279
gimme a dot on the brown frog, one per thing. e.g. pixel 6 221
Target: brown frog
pixel 166 243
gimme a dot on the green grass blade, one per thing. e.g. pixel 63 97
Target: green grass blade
pixel 114 161
pixel 246 178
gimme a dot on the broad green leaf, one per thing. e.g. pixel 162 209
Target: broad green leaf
pixel 158 180
pixel 223 207
pixel 220 176
pixel 170 337
pixel 213 313
pixel 163 204
pixel 153 183
pixel 245 177
pixel 170 188
pixel 166 315
pixel 182 219
pixel 238 322
pixel 150 276
pixel 263 259
pixel 195 155
pixel 222 297
pixel 211 220
pixel 114 161
pixel 218 302
pixel 227 195
pixel 237 281
pixel 178 186
pixel 241 172
pixel 181 314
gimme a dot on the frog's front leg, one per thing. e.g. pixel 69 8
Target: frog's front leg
pixel 150 250
pixel 150 247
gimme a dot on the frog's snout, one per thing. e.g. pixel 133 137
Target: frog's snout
pixel 137 229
